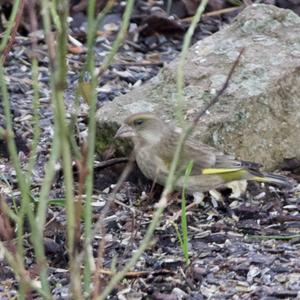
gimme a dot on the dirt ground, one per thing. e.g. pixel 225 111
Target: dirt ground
pixel 239 248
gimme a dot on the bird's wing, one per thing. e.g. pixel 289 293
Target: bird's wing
pixel 203 156
pixel 206 159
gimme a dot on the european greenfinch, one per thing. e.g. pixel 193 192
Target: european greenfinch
pixel 155 142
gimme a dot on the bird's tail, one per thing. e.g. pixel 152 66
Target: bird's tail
pixel 232 174
pixel 273 179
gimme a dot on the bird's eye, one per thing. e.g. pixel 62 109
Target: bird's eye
pixel 138 122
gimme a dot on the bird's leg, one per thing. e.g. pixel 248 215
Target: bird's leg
pixel 238 188
pixel 172 197
pixel 151 193
pixel 215 198
pixel 152 186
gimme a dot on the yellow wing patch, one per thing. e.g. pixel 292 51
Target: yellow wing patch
pixel 260 179
pixel 211 171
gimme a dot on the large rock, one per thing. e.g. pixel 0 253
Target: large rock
pixel 258 116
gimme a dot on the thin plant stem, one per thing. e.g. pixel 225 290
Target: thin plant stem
pixel 180 68
pixel 54 16
pixel 20 177
pixel 90 67
pixel 178 233
pixel 135 257
pixel 25 208
pixel 93 26
pixel 11 30
pixel 35 85
pixel 101 247
pixel 38 239
pixel 90 64
pixel 36 118
pixel 60 113
pixel 60 76
pixel 18 268
pixel 45 8
pixel 119 39
pixel 184 228
pixel 8 211
pixel 57 62
pixel 163 200
pixel 10 25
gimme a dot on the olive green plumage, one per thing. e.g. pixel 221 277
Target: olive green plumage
pixel 155 142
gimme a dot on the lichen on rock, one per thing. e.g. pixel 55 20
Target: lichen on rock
pixel 258 116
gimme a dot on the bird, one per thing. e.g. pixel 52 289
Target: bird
pixel 155 142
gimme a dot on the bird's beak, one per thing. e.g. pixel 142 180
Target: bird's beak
pixel 125 131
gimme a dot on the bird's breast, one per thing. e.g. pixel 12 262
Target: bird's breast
pixel 151 165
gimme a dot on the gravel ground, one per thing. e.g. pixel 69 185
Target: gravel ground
pixel 239 248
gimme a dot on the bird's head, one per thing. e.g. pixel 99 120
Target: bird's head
pixel 143 128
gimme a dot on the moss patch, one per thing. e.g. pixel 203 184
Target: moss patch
pixel 106 141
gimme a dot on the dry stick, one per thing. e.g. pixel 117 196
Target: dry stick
pixel 22 184
pixel 16 18
pixel 168 188
pixel 213 101
pixel 220 92
pixel 132 235
pixel 101 219
pixel 13 32
pixel 110 162
pixel 83 173
pixel 33 25
pixel 16 264
pixel 37 234
pixel 216 12
pixel 90 68
pixel 58 68
pixel 100 224
pixel 30 6
pixel 104 66
pixel 107 61
pixel 141 274
pixel 222 11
